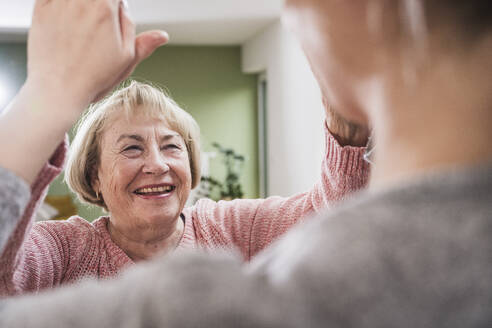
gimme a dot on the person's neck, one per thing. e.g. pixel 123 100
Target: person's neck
pixel 432 129
pixel 143 245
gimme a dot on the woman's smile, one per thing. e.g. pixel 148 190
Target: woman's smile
pixel 159 191
pixel 145 175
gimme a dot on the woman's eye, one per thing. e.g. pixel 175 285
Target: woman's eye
pixel 132 149
pixel 171 146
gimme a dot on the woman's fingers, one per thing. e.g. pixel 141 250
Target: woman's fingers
pixel 127 28
pixel 145 45
pixel 38 5
pixel 88 49
pixel 147 42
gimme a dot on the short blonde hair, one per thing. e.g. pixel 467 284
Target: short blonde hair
pixel 83 157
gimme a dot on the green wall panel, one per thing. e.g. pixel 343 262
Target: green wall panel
pixel 206 81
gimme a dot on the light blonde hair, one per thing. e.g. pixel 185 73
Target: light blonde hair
pixel 136 97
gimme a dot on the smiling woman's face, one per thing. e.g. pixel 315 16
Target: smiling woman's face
pixel 144 173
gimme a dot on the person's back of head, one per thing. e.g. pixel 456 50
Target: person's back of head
pixel 413 251
pixel 418 70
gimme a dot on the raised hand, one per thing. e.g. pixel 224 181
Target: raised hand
pixel 347 133
pixel 85 47
pixel 78 50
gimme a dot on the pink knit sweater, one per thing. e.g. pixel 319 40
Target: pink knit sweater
pixel 47 254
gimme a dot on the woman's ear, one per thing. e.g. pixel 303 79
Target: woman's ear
pixel 95 184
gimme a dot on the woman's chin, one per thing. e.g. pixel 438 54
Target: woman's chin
pixel 159 215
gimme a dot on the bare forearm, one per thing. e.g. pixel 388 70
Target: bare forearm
pixel 33 126
pixel 73 59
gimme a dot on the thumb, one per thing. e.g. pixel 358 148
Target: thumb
pixel 147 42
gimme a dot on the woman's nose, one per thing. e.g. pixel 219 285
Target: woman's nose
pixel 155 163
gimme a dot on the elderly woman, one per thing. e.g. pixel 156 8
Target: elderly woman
pixel 415 251
pixel 137 155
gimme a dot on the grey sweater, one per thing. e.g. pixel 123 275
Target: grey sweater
pixel 14 196
pixel 419 255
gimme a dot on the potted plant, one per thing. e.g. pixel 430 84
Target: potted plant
pixel 230 188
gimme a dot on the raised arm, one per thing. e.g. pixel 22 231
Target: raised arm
pixel 74 58
pixel 251 225
pixel 18 254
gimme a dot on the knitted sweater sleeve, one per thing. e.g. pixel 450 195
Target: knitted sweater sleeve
pixel 251 225
pixel 30 260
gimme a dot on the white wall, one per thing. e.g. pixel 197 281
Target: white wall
pixel 295 113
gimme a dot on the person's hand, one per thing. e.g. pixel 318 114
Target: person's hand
pixel 78 50
pixel 83 48
pixel 345 132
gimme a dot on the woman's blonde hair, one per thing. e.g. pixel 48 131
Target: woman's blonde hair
pixel 135 98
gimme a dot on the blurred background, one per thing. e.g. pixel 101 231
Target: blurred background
pixel 234 67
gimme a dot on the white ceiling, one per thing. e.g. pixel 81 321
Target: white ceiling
pixel 204 22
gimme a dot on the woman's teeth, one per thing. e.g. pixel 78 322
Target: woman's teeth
pixel 155 190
